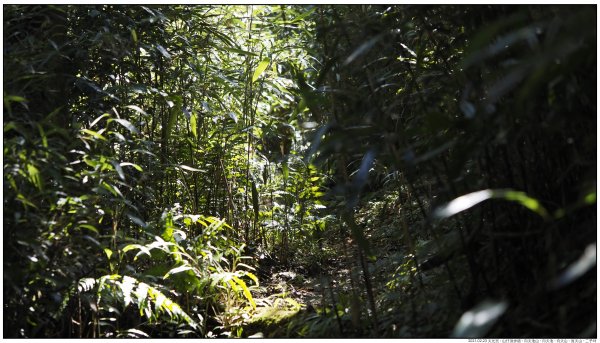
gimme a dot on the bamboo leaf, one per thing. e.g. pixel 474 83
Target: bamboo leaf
pixel 469 200
pixel 138 168
pixel 262 66
pixel 89 227
pixel 462 203
pixel 128 125
pixel 163 51
pixel 479 320
pixel 137 109
pixel 177 270
pixel 118 168
pixel 194 124
pixel 245 291
pixel 94 134
pixel 171 123
pixel 188 168
pixel 137 220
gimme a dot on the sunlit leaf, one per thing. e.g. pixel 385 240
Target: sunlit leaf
pixel 479 320
pixel 262 66
pixel 462 203
pixel 233 116
pixel 163 51
pixel 177 270
pixel 98 119
pixel 134 37
pixel 245 291
pixel 108 253
pixel 363 48
pixel 129 126
pixel 118 168
pixel 576 269
pixel 137 220
pixel 89 227
pixel 469 200
pixel 94 134
pixel 194 124
pixel 137 167
pixel 137 109
pixel 188 168
pixel 34 176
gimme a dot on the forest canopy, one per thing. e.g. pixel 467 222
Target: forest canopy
pixel 299 171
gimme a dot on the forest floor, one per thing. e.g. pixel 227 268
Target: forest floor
pixel 329 300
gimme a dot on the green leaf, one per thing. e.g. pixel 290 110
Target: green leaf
pixel 137 109
pixel 108 253
pixel 171 124
pixel 182 166
pixel 137 220
pixel 479 320
pixel 34 176
pixel 239 51
pixel 163 51
pixel 523 199
pixel 194 124
pixel 245 291
pixel 469 200
pixel 177 270
pixel 127 125
pixel 124 164
pixel 118 168
pixel 98 119
pixel 262 66
pixel 253 277
pixel 462 203
pixel 134 37
pixel 89 227
pixel 94 134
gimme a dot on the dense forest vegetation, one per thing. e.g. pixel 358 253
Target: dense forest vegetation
pixel 299 171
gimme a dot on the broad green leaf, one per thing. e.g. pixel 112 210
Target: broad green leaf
pixel 262 66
